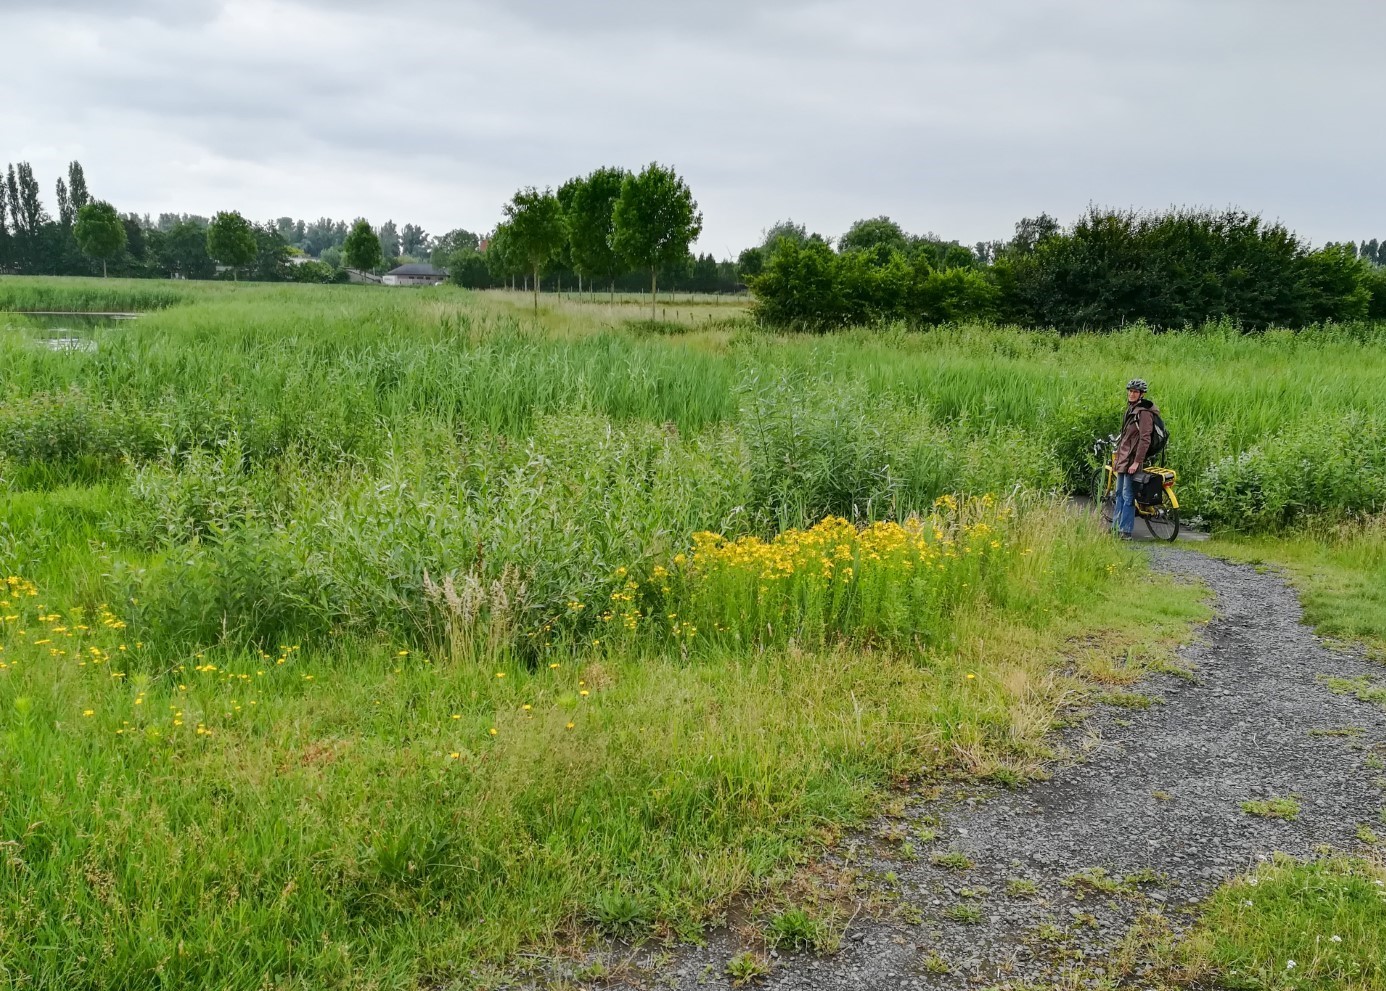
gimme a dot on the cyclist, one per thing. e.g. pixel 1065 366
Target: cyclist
pixel 1132 446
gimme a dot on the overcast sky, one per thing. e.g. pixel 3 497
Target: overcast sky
pixel 956 117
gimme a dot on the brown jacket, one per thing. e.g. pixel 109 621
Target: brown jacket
pixel 1135 434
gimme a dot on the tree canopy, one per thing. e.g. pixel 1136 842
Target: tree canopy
pixel 231 241
pixel 362 248
pixel 590 220
pixel 389 240
pixel 1170 269
pixel 654 221
pixel 876 234
pixel 535 230
pixel 100 233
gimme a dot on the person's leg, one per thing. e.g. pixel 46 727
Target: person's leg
pixel 1124 519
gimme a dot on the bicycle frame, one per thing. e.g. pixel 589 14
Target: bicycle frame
pixel 1169 475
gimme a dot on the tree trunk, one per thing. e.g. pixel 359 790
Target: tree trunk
pixel 536 292
pixel 654 292
pixel 103 268
pixel 579 283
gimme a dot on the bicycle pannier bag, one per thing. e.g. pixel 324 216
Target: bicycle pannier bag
pixel 1149 487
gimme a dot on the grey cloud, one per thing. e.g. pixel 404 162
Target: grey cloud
pixel 953 117
pixel 160 11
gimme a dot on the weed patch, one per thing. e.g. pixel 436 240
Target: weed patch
pixel 746 968
pixel 798 929
pixel 1272 808
pixel 954 860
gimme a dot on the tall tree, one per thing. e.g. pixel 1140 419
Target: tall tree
pixel 879 235
pixel 100 232
pixel 77 187
pixel 413 241
pixel 501 260
pixel 452 242
pixel 654 222
pixel 389 240
pixel 183 252
pixel 779 231
pixel 271 254
pixel 1030 232
pixel 12 185
pixel 67 216
pixel 27 218
pixel 5 245
pixel 231 241
pixel 588 215
pixel 535 230
pixel 31 213
pixel 362 247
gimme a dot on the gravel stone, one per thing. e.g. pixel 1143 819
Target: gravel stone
pixel 1240 729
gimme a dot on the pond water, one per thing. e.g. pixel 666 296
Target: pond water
pixel 61 331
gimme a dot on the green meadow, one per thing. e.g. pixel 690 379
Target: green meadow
pixel 369 638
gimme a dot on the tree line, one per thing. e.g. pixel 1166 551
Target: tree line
pixel 184 245
pixel 626 231
pixel 191 246
pixel 601 227
pixel 88 236
pixel 1169 269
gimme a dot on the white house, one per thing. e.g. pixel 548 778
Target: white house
pixel 414 275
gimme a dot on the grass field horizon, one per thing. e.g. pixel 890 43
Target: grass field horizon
pixel 362 637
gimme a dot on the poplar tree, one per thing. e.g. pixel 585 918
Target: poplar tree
pixel 66 214
pixel 5 245
pixel 77 187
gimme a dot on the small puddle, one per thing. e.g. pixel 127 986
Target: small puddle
pixel 65 332
pixel 68 344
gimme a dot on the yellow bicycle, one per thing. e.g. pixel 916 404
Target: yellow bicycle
pixel 1156 501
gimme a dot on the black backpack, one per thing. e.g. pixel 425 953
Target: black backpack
pixel 1159 436
pixel 1159 433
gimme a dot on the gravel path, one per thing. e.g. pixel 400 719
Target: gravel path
pixel 1159 790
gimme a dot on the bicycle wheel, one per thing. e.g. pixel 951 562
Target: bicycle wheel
pixel 1162 521
pixel 1104 496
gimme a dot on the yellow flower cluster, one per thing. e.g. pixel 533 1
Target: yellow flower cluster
pixel 16 587
pixel 883 581
pixel 836 550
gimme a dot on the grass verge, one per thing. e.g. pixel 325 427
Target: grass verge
pixel 1289 926
pixel 364 817
pixel 1340 574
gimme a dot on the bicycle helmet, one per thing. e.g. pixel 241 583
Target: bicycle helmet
pixel 1140 385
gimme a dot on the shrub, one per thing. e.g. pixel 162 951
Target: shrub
pixel 1177 269
pixel 1331 468
pixel 806 286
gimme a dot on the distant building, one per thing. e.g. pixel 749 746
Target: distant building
pixel 414 275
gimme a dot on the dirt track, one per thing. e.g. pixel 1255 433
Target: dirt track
pixel 1161 791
